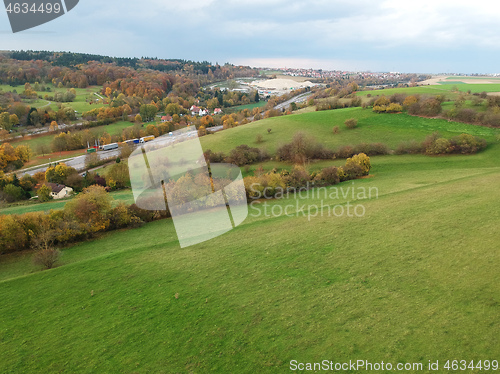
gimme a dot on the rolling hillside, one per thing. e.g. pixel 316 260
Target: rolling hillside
pixel 413 279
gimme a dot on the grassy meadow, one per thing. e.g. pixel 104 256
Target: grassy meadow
pixel 391 129
pixel 125 196
pixel 413 279
pixel 446 89
pixel 250 107
pixel 79 104
pixel 46 140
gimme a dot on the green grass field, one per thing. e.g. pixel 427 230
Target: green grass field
pixel 390 129
pixel 27 207
pixel 270 72
pixel 112 129
pixel 256 298
pixel 39 103
pixel 250 107
pixel 457 78
pixel 79 104
pixel 35 142
pixel 445 89
pixel 9 88
pixel 413 279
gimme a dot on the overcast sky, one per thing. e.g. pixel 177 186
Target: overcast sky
pixel 428 36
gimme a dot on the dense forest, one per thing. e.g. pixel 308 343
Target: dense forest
pixel 81 70
pixel 70 59
pixel 127 84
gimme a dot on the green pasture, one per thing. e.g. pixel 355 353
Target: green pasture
pixel 125 196
pixel 390 129
pixel 413 278
pixel 421 259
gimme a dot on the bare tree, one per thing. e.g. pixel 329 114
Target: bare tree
pixel 45 254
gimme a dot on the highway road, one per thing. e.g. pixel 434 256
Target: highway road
pixel 79 162
pixel 296 99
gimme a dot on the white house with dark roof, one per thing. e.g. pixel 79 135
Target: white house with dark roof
pixel 59 191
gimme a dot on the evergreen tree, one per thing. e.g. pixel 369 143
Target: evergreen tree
pixel 15 180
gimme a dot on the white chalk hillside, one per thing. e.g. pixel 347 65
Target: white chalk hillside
pixel 281 84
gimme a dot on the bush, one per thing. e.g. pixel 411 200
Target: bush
pixel 298 177
pixel 336 129
pixel 328 176
pixel 345 152
pixel 372 149
pixel 466 115
pixel 351 123
pixel 477 101
pixel 99 181
pixel 75 181
pixel 464 143
pixel 90 209
pixel 58 173
pixel 394 108
pixel 329 104
pixel 351 171
pixel 467 144
pixel 430 107
pixel 321 153
pixel 491 119
pixel 27 182
pixel 270 183
pixel 11 193
pixel 120 216
pixel 46 257
pixel 439 146
pixel 355 102
pixel 301 149
pixel 410 100
pixel 259 139
pixel 244 155
pixel 119 174
pixel 12 235
pixel 381 101
pixel 362 160
pixel 44 193
pixel 414 109
pixel 398 98
pixel 214 157
pixel 272 113
pixel 142 214
pixel 410 147
pixel 125 151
